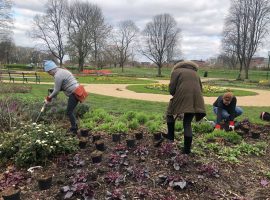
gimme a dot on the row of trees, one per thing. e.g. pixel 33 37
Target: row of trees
pixel 78 29
pixel 246 26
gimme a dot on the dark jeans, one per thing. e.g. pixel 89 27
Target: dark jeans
pixel 187 124
pixel 72 103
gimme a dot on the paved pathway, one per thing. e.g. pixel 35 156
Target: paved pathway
pixel 119 90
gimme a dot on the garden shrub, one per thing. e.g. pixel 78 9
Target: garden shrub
pixel 33 144
pixel 119 127
pixel 14 88
pixel 142 118
pixel 264 83
pixel 134 124
pixel 10 113
pixel 202 127
pixel 153 127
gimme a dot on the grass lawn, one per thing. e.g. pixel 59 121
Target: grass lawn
pixel 118 105
pixel 143 89
pixel 212 73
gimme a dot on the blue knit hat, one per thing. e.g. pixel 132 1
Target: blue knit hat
pixel 49 65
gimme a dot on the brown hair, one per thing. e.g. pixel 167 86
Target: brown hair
pixel 228 96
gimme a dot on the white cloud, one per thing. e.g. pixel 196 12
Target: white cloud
pixel 201 21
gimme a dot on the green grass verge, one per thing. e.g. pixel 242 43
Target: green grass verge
pixel 143 89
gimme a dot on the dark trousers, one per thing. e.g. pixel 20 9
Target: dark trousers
pixel 72 103
pixel 187 124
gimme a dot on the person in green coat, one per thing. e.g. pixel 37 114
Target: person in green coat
pixel 186 90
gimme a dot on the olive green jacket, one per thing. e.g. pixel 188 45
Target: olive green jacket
pixel 186 88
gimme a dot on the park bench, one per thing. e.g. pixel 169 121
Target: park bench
pixel 24 76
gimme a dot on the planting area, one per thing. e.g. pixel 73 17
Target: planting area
pixel 117 155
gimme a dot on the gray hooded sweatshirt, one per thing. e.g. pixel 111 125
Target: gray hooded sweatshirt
pixel 64 81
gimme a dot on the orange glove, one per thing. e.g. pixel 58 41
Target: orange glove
pixel 231 125
pixel 217 127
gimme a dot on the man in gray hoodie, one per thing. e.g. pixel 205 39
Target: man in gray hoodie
pixel 66 82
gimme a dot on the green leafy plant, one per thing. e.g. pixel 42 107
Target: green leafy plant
pixel 202 127
pixel 134 124
pixel 153 127
pixel 142 118
pixel 231 137
pixel 179 126
pixel 35 144
pixel 119 127
pixel 130 115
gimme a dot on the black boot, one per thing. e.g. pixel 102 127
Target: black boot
pixel 187 144
pixel 170 126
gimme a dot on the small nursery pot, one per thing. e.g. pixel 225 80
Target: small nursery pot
pixel 116 137
pixel 96 156
pixel 45 183
pixel 82 143
pixel 139 135
pixel 84 132
pixel 255 134
pixel 11 194
pixel 96 137
pixel 157 136
pixel 100 145
pixel 130 143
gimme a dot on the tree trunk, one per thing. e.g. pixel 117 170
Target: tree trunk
pixel 159 70
pixel 81 63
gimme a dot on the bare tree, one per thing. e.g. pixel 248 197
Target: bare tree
pixel 247 24
pixel 161 36
pixel 229 51
pixel 82 21
pixel 50 28
pixel 7 48
pixel 100 33
pixel 6 20
pixel 123 38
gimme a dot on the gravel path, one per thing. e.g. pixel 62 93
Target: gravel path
pixel 119 90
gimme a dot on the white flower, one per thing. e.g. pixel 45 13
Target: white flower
pixel 56 142
pixel 43 141
pixel 38 141
pixel 34 124
pixel 51 147
pixel 24 134
pixel 1 145
pixel 46 133
pixel 38 130
pixel 45 145
pixel 50 131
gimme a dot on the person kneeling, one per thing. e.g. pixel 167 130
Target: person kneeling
pixel 226 110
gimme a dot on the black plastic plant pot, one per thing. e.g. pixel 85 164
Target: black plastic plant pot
pixel 84 132
pixel 139 135
pixel 116 137
pixel 96 157
pixel 130 143
pixel 96 137
pixel 255 135
pixel 45 183
pixel 82 144
pixel 157 136
pixel 100 145
pixel 11 194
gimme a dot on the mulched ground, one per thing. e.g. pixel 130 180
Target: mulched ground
pixel 148 172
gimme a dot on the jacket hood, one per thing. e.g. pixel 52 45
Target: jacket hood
pixel 186 64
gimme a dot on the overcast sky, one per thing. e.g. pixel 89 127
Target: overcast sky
pixel 201 21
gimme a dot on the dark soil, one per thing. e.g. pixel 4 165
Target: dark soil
pixel 148 173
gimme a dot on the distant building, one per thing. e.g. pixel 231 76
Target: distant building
pixel 201 63
pixel 258 62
